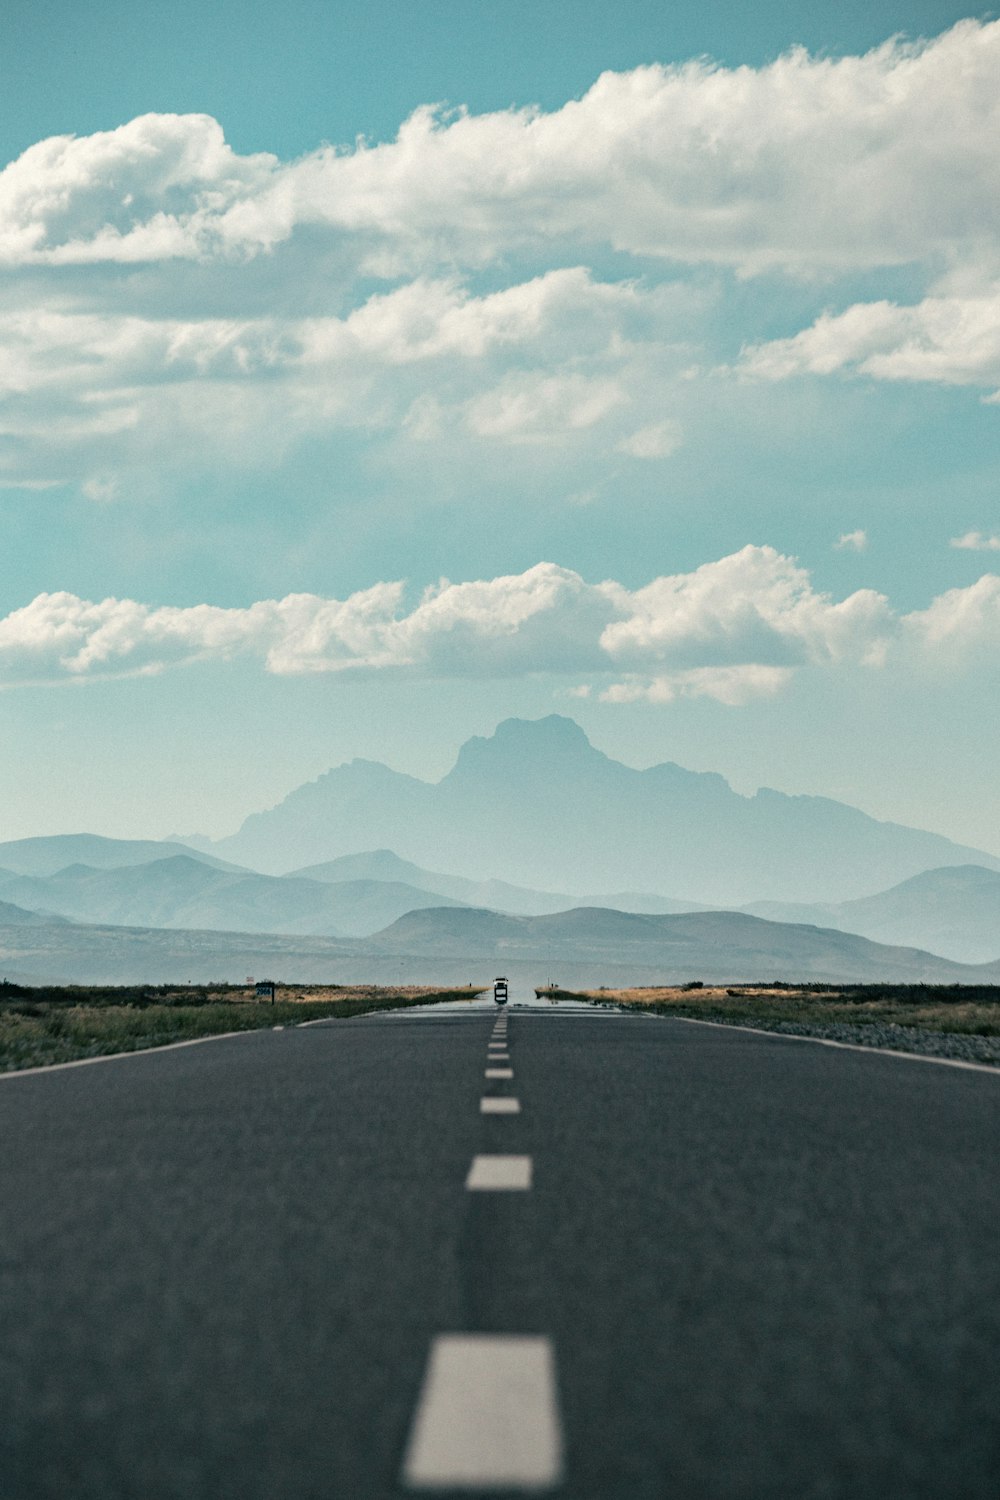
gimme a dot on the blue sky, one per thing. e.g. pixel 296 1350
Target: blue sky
pixel 373 373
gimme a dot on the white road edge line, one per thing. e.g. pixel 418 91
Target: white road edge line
pixel 499 1174
pixel 105 1057
pixel 825 1041
pixel 487 1416
pixel 491 1105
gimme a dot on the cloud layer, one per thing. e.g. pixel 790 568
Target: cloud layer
pixel 950 340
pixel 731 630
pixel 514 278
pixel 803 164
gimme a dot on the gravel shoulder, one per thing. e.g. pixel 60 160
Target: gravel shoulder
pixel 958 1022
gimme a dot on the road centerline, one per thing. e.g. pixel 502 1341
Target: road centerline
pixel 496 1173
pixel 487 1415
pixel 498 1105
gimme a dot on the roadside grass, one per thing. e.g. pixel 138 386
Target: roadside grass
pixel 45 1025
pixel 960 1009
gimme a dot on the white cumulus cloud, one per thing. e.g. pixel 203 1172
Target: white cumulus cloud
pixel 755 605
pixel 168 299
pixel 733 686
pixel 731 630
pixel 950 339
pixel 802 164
pixel 976 541
pixel 959 621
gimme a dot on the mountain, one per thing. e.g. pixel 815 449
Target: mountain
pixel 954 911
pixel 537 805
pixel 17 916
pixel 581 948
pixel 710 945
pixel 182 891
pixel 500 895
pixel 45 856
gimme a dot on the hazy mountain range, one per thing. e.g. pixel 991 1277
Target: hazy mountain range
pixel 499 895
pixel 55 852
pixel 534 797
pixel 183 889
pixel 953 911
pixel 582 947
pixel 716 945
pixel 536 805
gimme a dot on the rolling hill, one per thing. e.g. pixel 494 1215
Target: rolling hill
pixel 954 911
pixel 183 891
pixel 500 895
pixel 712 945
pixel 584 947
pixel 17 916
pixel 53 852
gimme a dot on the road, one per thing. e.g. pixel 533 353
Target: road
pixel 709 1264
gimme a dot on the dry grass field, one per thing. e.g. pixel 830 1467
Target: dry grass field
pixel 958 1010
pixel 47 1024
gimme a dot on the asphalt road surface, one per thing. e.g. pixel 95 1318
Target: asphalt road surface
pixel 691 1262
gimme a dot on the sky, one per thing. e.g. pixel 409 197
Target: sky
pixel 370 374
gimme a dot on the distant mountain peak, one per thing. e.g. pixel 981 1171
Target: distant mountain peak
pixel 553 729
pixel 529 744
pixel 537 804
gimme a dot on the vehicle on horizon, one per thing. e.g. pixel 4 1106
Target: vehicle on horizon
pixel 500 990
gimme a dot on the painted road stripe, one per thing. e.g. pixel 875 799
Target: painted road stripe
pixel 499 1073
pixel 488 1416
pixel 490 1106
pixel 499 1174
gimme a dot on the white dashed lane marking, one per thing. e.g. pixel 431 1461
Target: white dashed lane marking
pixel 499 1073
pixel 499 1174
pixel 489 1106
pixel 488 1416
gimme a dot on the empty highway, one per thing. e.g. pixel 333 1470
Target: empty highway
pixel 462 1251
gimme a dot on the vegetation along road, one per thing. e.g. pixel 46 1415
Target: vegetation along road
pixel 454 1250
